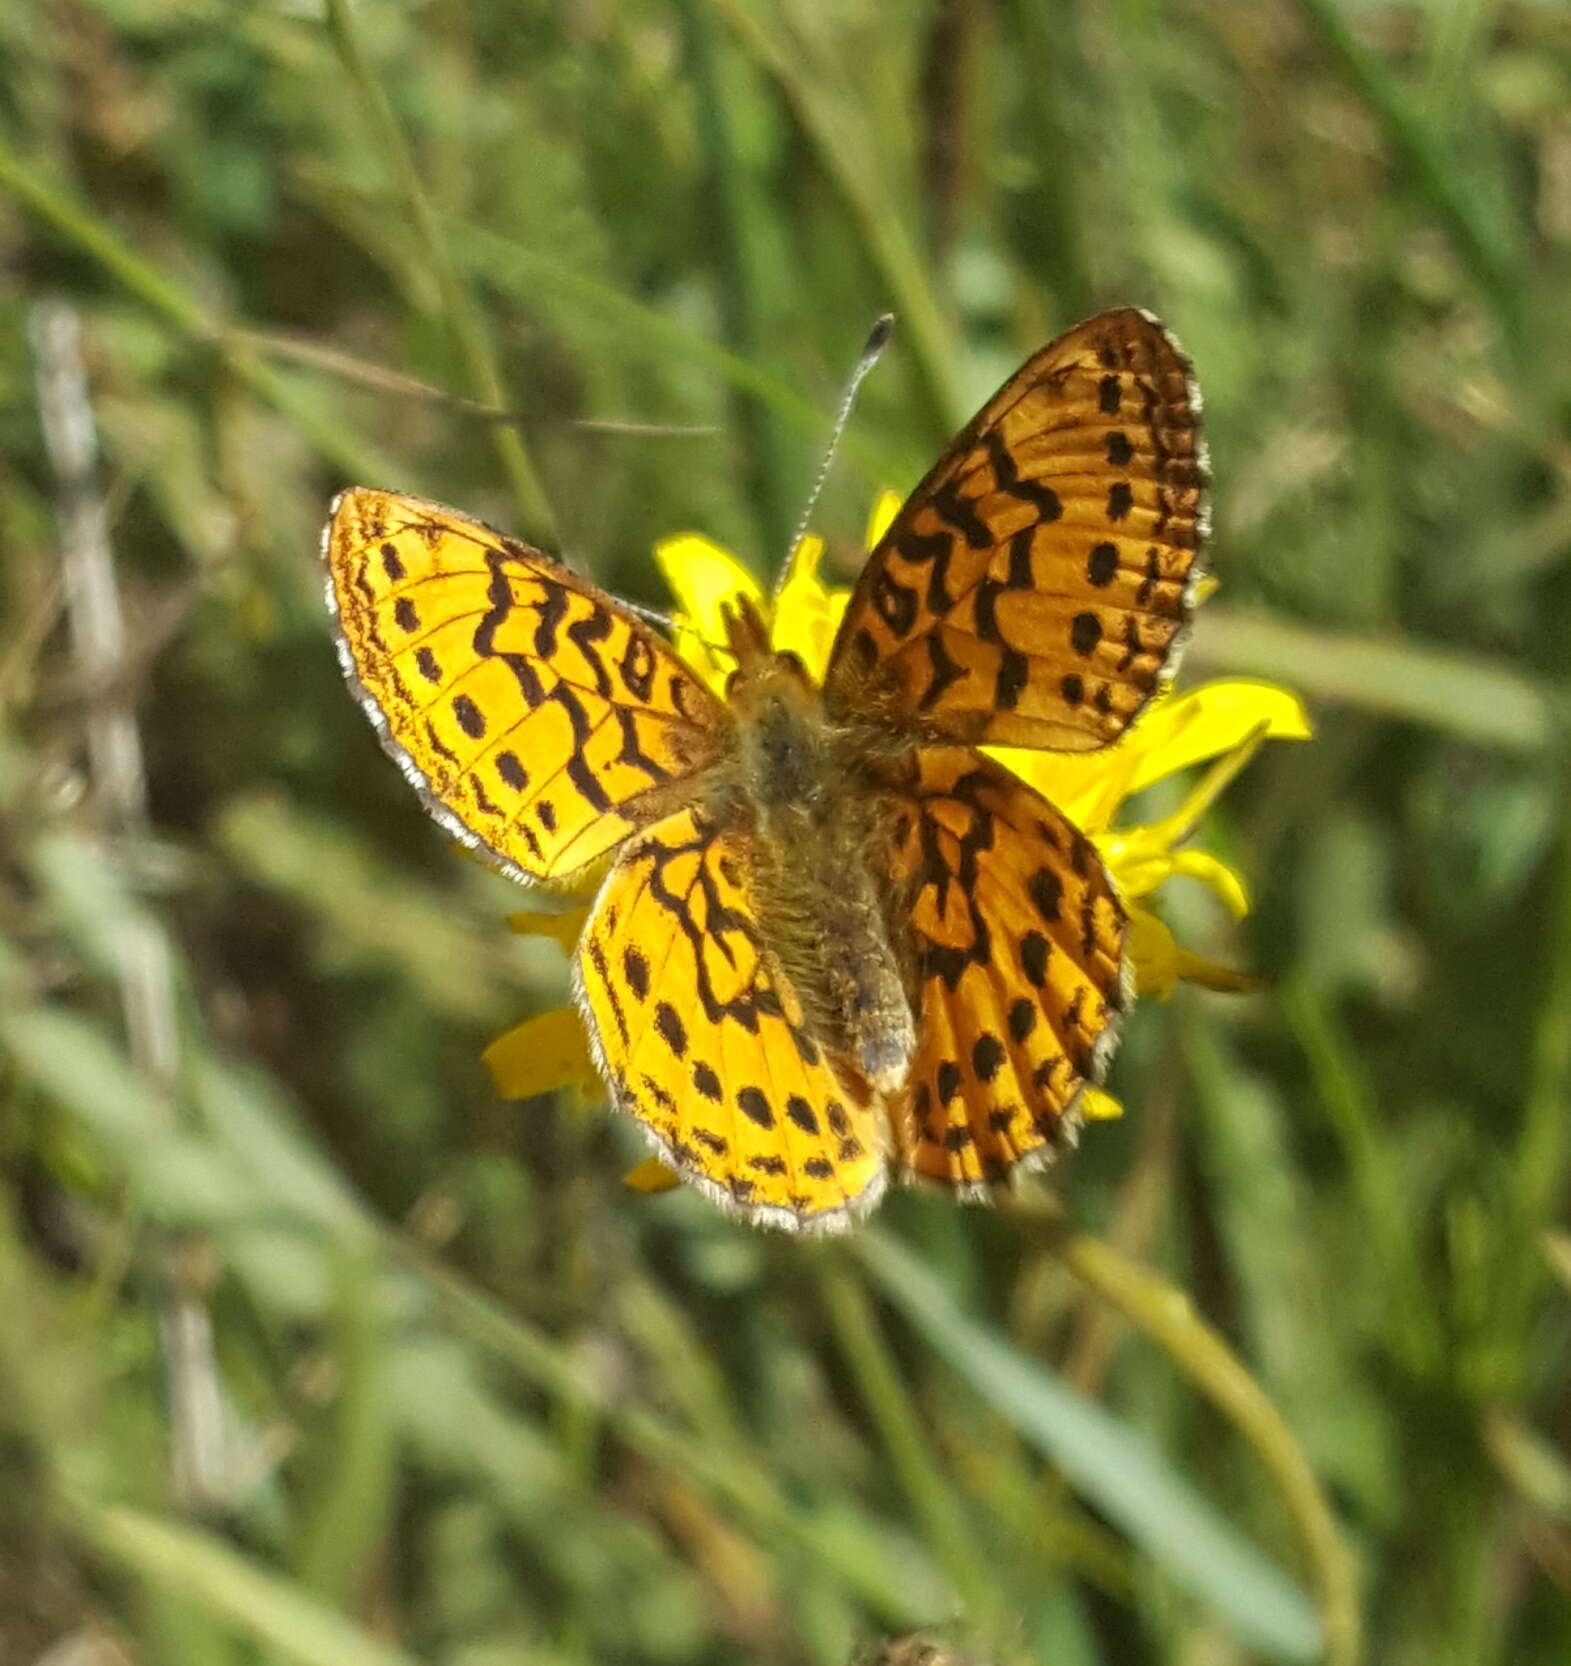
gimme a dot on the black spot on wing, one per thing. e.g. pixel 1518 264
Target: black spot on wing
pixel 987 1057
pixel 636 969
pixel 1033 957
pixel 1014 673
pixel 801 1113
pixel 706 1082
pixel 1047 892
pixel 755 1106
pixel 470 718
pixel 1084 634
pixel 670 1028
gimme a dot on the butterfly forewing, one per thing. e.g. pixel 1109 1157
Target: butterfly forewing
pixel 1035 587
pixel 537 717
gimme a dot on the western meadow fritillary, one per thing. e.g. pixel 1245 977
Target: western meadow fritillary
pixel 835 936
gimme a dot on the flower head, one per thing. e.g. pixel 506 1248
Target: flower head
pixel 1221 724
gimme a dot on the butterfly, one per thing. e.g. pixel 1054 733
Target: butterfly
pixel 834 937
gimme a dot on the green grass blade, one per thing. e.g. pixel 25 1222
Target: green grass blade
pixel 513 268
pixel 837 127
pixel 1432 176
pixel 1108 1462
pixel 463 319
pixel 1462 694
pixel 208 1574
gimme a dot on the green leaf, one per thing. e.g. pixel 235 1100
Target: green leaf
pixel 210 1576
pixel 1109 1463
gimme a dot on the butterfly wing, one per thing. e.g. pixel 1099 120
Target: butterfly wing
pixel 702 1037
pixel 1019 962
pixel 1034 588
pixel 537 718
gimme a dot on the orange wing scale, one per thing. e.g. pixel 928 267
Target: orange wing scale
pixel 701 1037
pixel 1034 587
pixel 1019 955
pixel 530 711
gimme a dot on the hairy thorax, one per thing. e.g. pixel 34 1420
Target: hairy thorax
pixel 812 796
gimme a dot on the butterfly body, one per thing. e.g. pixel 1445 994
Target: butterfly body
pixel 837 935
pixel 809 800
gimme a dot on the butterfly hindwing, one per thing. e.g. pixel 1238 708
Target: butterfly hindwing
pixel 703 1040
pixel 1035 587
pixel 1018 940
pixel 532 711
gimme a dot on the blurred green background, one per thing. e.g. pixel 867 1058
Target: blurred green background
pixel 311 1349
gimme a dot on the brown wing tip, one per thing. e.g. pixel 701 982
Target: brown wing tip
pixel 352 497
pixel 350 512
pixel 1151 326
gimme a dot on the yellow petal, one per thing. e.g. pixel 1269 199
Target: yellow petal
pixel 807 612
pixel 1170 830
pixel 1160 964
pixel 1216 875
pixel 541 1054
pixel 702 575
pixel 1193 969
pixel 651 1175
pixel 885 507
pixel 563 928
pixel 1139 860
pixel 1134 862
pixel 1174 732
pixel 1096 1106
pixel 1204 722
pixel 1153 953
pixel 801 574
pixel 1086 787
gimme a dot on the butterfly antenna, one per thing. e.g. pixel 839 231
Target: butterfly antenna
pixel 673 626
pixel 877 340
pixel 652 614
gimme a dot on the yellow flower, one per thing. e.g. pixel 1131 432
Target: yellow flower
pixel 1220 723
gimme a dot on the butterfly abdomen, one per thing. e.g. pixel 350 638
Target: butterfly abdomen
pixel 818 902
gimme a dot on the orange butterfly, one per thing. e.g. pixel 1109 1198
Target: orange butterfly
pixel 835 935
